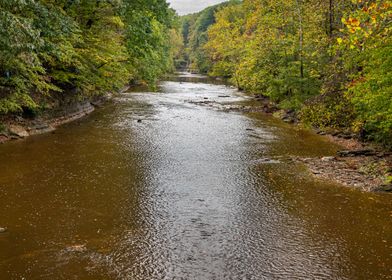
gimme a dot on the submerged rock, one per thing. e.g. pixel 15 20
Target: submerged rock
pixel 3 230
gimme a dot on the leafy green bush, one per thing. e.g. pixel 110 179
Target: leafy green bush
pixel 329 111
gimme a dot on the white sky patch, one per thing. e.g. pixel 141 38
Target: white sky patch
pixel 184 7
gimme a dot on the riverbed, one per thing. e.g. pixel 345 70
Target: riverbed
pixel 155 185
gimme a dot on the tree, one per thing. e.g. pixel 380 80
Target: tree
pixel 54 51
pixel 366 41
pixel 329 60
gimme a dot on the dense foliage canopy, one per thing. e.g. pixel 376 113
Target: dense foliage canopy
pixel 329 60
pixel 51 50
pixel 195 34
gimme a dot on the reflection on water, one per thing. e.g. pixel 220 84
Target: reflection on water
pixel 156 187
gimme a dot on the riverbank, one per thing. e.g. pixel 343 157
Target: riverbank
pixel 16 127
pixel 359 165
pixel 362 165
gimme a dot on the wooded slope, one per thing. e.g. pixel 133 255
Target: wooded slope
pixel 331 61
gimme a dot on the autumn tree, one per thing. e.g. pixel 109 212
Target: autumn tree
pixel 328 60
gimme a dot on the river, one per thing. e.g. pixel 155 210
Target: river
pixel 158 186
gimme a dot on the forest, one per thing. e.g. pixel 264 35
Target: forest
pixel 184 139
pixel 75 50
pixel 329 61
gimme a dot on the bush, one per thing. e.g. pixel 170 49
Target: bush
pixel 333 110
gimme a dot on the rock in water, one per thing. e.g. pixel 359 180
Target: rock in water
pixel 18 130
pixel 3 230
pixel 327 158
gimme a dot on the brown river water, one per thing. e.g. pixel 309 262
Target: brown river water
pixel 190 192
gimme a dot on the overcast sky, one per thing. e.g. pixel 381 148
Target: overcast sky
pixel 184 7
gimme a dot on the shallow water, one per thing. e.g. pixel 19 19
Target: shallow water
pixel 190 192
